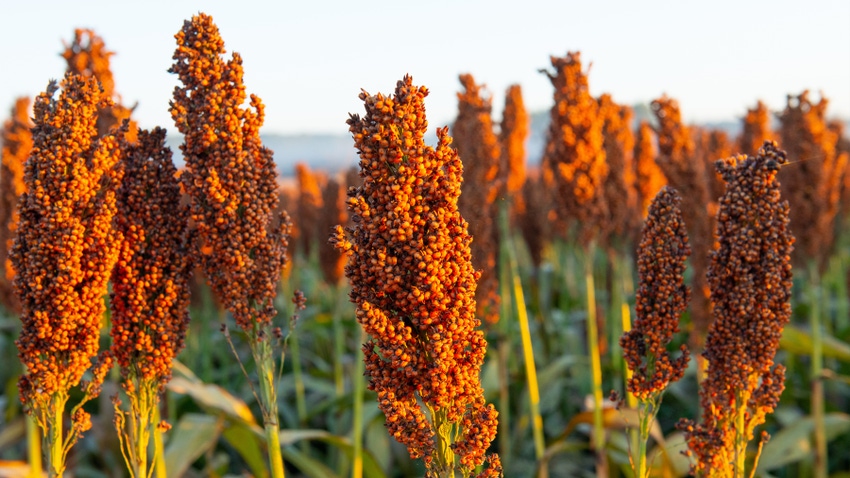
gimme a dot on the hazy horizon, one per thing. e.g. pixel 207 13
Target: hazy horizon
pixel 309 61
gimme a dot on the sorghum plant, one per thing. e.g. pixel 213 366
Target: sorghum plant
pixel 575 155
pixel 619 185
pixel 660 299
pixel 513 132
pixel 232 180
pixel 63 255
pixel 750 280
pixel 414 286
pixel 687 173
pixel 650 179
pixel 756 129
pixel 17 144
pixel 87 56
pixel 309 207
pixel 478 148
pixel 150 289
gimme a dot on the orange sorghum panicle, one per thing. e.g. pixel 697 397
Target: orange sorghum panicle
pixel 17 144
pixel 575 166
pixel 66 245
pixel 513 132
pixel 687 173
pixel 334 213
pixel 623 220
pixel 229 174
pixel 650 179
pixel 478 147
pixel 87 56
pixel 150 283
pixel 756 129
pixel 813 184
pixel 309 207
pixel 750 280
pixel 413 282
pixel 660 299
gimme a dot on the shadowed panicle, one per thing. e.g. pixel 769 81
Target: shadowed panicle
pixel 16 138
pixel 660 299
pixel 414 285
pixel 66 245
pixel 750 281
pixel 478 147
pixel 575 167
pixel 229 174
pixel 150 283
pixel 334 213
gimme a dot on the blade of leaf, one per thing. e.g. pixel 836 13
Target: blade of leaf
pixel 245 441
pixel 191 438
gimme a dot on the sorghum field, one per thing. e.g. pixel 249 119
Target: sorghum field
pixel 654 299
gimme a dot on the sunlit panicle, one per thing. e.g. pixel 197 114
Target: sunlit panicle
pixel 229 174
pixel 413 283
pixel 575 166
pixel 16 138
pixel 650 179
pixel 756 129
pixel 87 56
pixel 65 248
pixel 478 148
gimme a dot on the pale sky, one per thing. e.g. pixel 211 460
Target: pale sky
pixel 308 60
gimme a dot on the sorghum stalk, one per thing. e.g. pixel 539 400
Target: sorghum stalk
pixel 575 168
pixel 750 280
pixel 232 180
pixel 660 299
pixel 150 289
pixel 413 284
pixel 63 255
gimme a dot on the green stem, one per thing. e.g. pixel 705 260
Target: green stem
pixel 264 359
pixel 55 443
pixel 33 448
pixel 298 377
pixel 647 415
pixel 160 470
pixel 818 409
pixel 339 340
pixel 595 366
pixel 357 427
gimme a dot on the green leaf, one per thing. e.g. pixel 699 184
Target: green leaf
pixel 309 466
pixel 191 438
pixel 245 441
pixel 214 397
pixel 289 437
pixel 793 443
pixel 799 342
pixel 13 432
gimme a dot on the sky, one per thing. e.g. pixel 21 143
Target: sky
pixel 308 60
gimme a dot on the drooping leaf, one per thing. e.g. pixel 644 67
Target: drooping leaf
pixel 193 435
pixel 794 442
